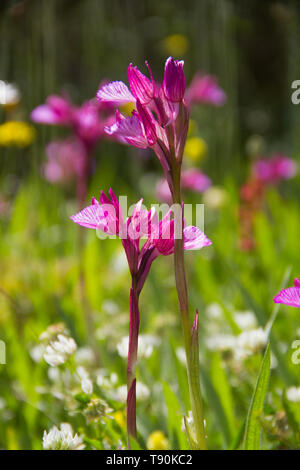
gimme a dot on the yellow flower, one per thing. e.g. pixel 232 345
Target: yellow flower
pixel 195 148
pixel 176 44
pixel 127 108
pixel 119 418
pixel 157 441
pixel 16 133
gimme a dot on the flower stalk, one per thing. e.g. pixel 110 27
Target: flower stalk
pixel 132 361
pixel 190 337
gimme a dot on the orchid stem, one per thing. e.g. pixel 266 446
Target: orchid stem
pixel 132 361
pixel 193 366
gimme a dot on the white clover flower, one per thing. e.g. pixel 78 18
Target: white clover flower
pixel 142 392
pixel 110 307
pixel 102 379
pixel 221 342
pixel 62 439
pixel 245 320
pixel 145 348
pixel 54 374
pixel 84 356
pixel 114 378
pixel 86 383
pixel 215 197
pixel 37 352
pixel 293 394
pixel 58 351
pixel 214 310
pixel 250 342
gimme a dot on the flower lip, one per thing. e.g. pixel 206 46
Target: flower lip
pixel 174 80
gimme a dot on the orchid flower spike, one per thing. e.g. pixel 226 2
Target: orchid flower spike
pixel 107 216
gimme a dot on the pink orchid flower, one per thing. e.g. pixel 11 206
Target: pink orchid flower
pixel 65 160
pixel 161 111
pixel 57 111
pixel 274 169
pixel 205 89
pixel 87 124
pixel 107 216
pixel 289 296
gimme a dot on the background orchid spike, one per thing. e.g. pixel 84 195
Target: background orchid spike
pixel 108 217
pixel 290 296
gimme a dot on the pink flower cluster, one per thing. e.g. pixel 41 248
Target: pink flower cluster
pixel 87 124
pixel 108 217
pixel 272 170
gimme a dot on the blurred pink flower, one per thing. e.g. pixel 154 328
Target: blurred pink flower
pixel 205 89
pixel 65 160
pixel 274 169
pixel 57 110
pixel 289 296
pixel 191 179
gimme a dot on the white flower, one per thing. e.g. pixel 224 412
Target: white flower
pixel 84 356
pixel 58 351
pixel 245 320
pixel 86 383
pixel 37 352
pixel 145 347
pixel 215 197
pixel 214 310
pixel 87 386
pixel 54 374
pixel 9 93
pixel 293 394
pixel 221 342
pixel 250 342
pixel 110 307
pixel 62 439
pixel 142 392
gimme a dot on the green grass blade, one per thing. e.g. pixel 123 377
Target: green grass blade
pixel 253 430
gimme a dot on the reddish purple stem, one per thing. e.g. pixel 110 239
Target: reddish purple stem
pixel 132 360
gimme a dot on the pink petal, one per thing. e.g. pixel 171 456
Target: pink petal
pixel 194 239
pixel 297 282
pixel 44 115
pixel 91 217
pixel 116 93
pixel 142 88
pixel 130 129
pixel 289 296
